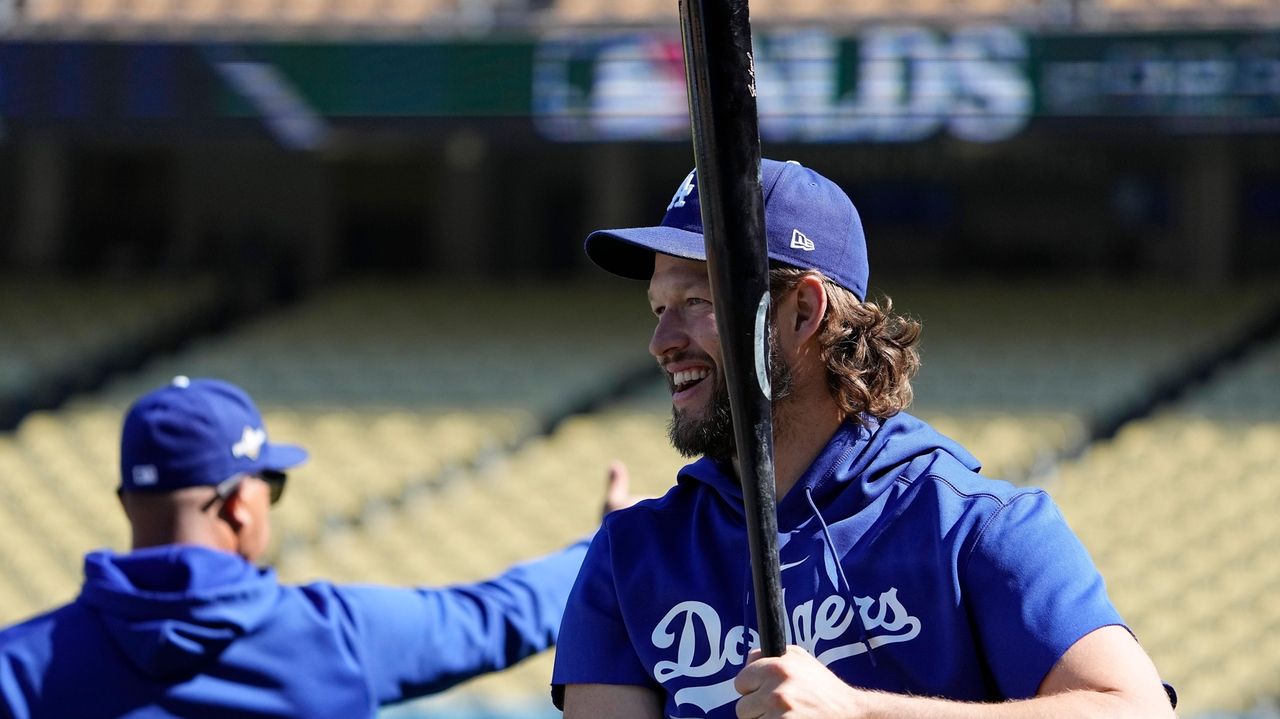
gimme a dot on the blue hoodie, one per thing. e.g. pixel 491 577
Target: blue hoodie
pixel 902 570
pixel 185 631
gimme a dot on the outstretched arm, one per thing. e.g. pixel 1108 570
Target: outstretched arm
pixel 414 642
pixel 1105 674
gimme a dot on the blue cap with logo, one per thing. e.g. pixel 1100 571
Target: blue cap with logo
pixel 196 432
pixel 810 223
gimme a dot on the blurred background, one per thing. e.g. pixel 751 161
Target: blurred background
pixel 369 213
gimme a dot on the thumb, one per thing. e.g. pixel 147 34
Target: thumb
pixel 617 491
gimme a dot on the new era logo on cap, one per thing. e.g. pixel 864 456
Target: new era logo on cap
pixel 800 242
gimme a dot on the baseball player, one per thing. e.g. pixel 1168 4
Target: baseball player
pixel 912 586
pixel 186 625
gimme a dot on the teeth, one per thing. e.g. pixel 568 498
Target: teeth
pixel 690 375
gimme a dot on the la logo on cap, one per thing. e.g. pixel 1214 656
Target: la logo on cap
pixel 682 192
pixel 250 443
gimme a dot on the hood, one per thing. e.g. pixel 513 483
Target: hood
pixel 173 609
pixel 857 466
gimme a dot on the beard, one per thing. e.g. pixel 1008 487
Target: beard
pixel 712 434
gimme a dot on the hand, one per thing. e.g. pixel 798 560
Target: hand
pixel 794 686
pixel 617 490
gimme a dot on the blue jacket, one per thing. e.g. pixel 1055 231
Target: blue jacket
pixel 184 631
pixel 902 570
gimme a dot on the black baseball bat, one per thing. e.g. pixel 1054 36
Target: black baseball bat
pixel 726 143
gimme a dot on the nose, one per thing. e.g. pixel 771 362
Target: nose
pixel 669 336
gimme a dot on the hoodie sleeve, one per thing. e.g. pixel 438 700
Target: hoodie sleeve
pixel 414 642
pixel 595 647
pixel 1033 592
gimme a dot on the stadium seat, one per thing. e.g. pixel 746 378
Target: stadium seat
pixel 575 12
pixel 251 12
pixel 410 13
pixel 303 12
pixel 201 12
pixel 151 12
pixel 101 11
pixel 357 11
pixel 41 12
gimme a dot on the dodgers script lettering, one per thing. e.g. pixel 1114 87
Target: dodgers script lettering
pixel 826 629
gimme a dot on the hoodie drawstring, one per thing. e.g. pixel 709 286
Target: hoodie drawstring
pixel 747 619
pixel 845 587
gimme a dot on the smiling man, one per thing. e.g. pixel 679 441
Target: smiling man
pixel 913 586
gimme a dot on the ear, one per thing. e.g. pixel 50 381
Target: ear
pixel 247 514
pixel 235 510
pixel 810 300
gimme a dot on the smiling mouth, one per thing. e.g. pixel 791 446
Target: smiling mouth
pixel 686 379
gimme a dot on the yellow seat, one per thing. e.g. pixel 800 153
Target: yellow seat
pixel 415 12
pixel 48 11
pixel 200 12
pixel 303 12
pixel 357 11
pixel 100 11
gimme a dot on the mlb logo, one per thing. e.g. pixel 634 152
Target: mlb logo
pixel 145 475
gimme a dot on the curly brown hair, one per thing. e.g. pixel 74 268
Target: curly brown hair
pixel 869 351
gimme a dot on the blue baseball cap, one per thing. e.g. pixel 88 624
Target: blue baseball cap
pixel 196 432
pixel 809 223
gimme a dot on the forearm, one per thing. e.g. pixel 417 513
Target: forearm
pixel 1105 674
pixel 1073 704
pixel 528 601
pixel 420 641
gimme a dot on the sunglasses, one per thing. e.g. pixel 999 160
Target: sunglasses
pixel 275 484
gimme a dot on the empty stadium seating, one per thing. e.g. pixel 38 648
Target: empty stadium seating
pixel 426 410
pixel 56 502
pixel 58 333
pixel 390 386
pixel 1022 381
pixel 167 17
pixel 1035 13
pixel 1180 512
pixel 417 16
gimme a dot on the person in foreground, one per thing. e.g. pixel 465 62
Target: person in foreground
pixel 913 586
pixel 186 625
